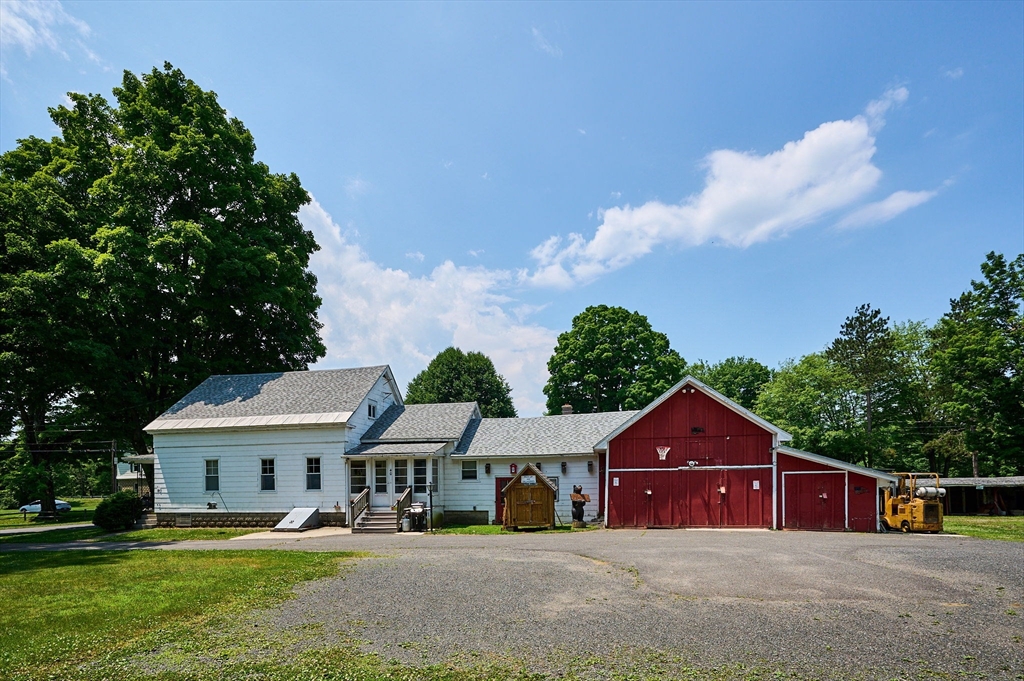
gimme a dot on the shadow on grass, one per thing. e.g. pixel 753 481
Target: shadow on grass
pixel 13 562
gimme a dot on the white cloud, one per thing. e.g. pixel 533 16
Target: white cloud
pixel 747 198
pixel 374 314
pixel 33 24
pixel 582 131
pixel 954 74
pixel 356 187
pixel 886 209
pixel 476 253
pixel 415 255
pixel 542 44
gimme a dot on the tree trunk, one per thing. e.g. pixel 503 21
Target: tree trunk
pixel 871 444
pixel 974 464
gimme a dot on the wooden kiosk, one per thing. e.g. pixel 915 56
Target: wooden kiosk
pixel 529 501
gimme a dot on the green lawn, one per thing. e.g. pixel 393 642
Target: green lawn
pixel 68 607
pixel 81 512
pixel 97 534
pixel 1005 528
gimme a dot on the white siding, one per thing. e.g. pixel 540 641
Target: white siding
pixel 180 469
pixel 384 394
pixel 463 495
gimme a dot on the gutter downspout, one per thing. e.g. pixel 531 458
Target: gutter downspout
pixel 775 487
pixel 607 474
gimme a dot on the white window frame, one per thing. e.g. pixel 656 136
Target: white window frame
pixel 319 474
pixel 475 471
pixel 371 409
pixel 273 467
pixel 352 477
pixel 207 476
pixel 554 481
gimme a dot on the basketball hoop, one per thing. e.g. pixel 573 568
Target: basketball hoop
pixel 663 453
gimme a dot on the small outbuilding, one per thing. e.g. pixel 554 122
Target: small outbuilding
pixel 529 501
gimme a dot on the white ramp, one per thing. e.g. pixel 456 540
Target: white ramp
pixel 298 520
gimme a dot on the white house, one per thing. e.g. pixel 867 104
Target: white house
pixel 245 450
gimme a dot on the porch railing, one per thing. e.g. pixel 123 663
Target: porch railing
pixel 358 506
pixel 403 503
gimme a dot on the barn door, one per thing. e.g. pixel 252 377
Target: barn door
pixel 499 500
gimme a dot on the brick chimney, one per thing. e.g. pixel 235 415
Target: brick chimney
pixel 566 409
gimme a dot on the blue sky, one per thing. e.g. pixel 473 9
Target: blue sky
pixel 743 174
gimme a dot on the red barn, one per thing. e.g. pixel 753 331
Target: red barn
pixel 694 458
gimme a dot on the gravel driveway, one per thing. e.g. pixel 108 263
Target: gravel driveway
pixel 825 605
pixel 822 604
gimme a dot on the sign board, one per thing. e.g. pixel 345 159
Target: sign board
pixel 757 484
pixel 615 482
pixel 528 480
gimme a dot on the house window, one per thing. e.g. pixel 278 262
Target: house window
pixel 554 481
pixel 435 473
pixel 469 470
pixel 313 481
pixel 358 477
pixel 419 476
pixel 268 481
pixel 401 475
pixel 371 409
pixel 212 475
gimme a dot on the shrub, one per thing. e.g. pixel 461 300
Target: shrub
pixel 119 511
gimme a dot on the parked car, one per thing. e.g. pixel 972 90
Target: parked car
pixel 37 506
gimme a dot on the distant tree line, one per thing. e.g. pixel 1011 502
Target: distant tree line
pixel 947 398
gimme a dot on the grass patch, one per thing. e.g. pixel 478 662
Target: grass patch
pixel 81 512
pixel 53 536
pixel 1004 528
pixel 179 534
pixel 62 609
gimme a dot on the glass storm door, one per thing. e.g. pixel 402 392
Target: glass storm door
pixel 381 485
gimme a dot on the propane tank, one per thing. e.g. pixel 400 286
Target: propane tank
pixel 930 492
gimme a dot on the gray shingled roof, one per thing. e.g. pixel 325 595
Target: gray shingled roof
pixel 390 448
pixel 289 392
pixel 544 435
pixel 1011 481
pixel 422 422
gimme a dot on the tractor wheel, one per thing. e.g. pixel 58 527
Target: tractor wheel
pixel 905 526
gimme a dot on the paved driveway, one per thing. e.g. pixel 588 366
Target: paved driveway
pixel 837 605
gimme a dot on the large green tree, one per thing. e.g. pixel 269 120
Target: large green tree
pixel 866 349
pixel 738 378
pixel 610 360
pixel 978 358
pixel 457 376
pixel 178 254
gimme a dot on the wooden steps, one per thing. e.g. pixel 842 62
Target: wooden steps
pixel 377 521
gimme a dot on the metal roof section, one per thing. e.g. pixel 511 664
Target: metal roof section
pixel 324 397
pixel 389 448
pixel 422 422
pixel 1011 481
pixel 780 435
pixel 277 420
pixel 539 436
pixel 836 463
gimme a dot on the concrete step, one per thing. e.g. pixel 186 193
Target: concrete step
pixel 146 521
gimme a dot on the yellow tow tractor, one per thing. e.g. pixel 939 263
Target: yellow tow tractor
pixel 914 504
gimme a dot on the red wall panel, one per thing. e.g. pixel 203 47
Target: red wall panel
pixel 801 507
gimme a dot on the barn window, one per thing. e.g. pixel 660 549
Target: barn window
pixel 268 479
pixel 469 470
pixel 357 477
pixel 371 409
pixel 419 476
pixel 313 480
pixel 212 475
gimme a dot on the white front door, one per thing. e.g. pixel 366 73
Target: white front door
pixel 381 494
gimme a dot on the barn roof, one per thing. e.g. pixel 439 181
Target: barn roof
pixel 836 463
pixel 780 435
pixel 1011 481
pixel 422 422
pixel 539 436
pixel 272 399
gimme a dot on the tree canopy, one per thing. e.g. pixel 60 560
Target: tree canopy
pixel 610 360
pixel 457 376
pixel 144 248
pixel 738 378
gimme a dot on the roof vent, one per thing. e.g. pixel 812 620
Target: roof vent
pixel 566 409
